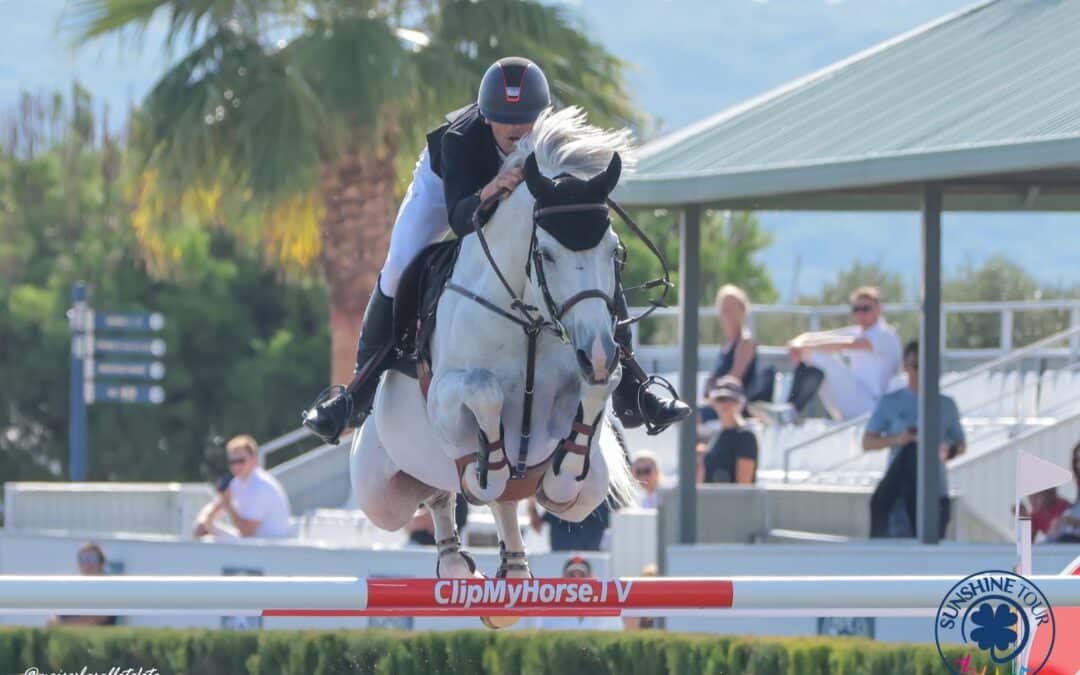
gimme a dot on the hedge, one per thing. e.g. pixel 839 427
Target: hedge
pixel 279 652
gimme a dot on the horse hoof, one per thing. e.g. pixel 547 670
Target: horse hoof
pixel 497 622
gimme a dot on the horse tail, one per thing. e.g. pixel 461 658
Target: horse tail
pixel 622 486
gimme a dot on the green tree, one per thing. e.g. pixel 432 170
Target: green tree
pixel 999 279
pixel 729 243
pixel 860 273
pixel 289 121
pixel 245 347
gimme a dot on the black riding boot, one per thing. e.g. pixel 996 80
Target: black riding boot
pixel 349 409
pixel 656 412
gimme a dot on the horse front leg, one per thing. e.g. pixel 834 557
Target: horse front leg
pixel 562 482
pixel 466 406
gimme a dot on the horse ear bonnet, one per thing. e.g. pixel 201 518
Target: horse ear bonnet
pixel 577 230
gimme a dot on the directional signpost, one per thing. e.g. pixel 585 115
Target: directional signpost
pixel 125 381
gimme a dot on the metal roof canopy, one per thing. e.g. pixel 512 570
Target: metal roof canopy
pixel 985 101
pixel 976 111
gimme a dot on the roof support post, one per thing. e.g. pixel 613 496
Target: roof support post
pixel 689 300
pixel 929 434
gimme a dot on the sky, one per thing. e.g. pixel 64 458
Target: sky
pixel 689 59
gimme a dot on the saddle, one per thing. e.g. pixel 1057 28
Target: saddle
pixel 415 304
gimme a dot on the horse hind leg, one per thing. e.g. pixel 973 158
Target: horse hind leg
pixel 386 495
pixel 454 562
pixel 512 561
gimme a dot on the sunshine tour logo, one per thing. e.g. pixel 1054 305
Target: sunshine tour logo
pixel 508 594
pixel 996 612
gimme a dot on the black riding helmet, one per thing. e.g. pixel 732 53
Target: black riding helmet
pixel 513 91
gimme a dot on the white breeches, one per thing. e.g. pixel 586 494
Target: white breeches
pixel 421 220
pixel 844 396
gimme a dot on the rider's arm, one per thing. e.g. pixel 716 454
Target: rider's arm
pixel 461 186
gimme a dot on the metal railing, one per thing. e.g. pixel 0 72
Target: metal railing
pixel 281 442
pixel 815 314
pixel 1034 349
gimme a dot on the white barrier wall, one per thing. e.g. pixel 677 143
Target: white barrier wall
pixel 987 482
pixel 49 554
pixel 869 559
pixel 143 508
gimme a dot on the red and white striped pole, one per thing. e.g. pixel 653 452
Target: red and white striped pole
pixel 350 596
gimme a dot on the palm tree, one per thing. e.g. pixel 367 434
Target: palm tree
pixel 294 121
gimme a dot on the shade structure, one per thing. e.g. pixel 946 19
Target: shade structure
pixel 978 110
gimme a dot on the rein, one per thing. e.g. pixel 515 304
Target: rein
pixel 533 323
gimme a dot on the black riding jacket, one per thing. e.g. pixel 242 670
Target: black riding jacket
pixel 464 154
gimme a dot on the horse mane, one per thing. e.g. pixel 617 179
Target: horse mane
pixel 564 142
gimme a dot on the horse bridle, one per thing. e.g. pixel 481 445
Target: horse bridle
pixel 533 323
pixel 556 312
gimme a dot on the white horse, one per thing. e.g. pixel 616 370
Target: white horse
pixel 412 451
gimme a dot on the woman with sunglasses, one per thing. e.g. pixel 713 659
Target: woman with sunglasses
pixel 854 365
pixel 91 561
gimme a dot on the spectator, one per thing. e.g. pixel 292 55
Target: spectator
pixel 421 528
pixel 643 622
pixel 252 498
pixel 578 568
pixel 567 536
pixel 1046 506
pixel 733 456
pixel 852 366
pixel 91 561
pixel 894 424
pixel 647 472
pixel 1066 529
pixel 739 356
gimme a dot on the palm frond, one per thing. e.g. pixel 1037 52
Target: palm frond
pixel 229 102
pixel 186 19
pixel 468 35
pixel 355 64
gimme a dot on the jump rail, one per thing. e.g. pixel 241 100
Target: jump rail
pixel 351 596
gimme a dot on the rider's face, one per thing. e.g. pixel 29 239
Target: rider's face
pixel 507 135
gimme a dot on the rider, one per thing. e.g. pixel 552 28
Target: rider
pixel 457 172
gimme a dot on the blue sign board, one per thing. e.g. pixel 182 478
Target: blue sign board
pixel 90 335
pixel 124 393
pixel 148 370
pixel 154 347
pixel 105 321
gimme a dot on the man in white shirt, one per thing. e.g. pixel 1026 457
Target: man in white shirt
pixel 253 499
pixel 858 362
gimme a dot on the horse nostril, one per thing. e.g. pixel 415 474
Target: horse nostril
pixel 584 362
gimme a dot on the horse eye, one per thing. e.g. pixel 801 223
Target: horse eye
pixel 546 255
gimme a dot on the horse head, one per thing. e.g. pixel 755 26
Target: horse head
pixel 573 259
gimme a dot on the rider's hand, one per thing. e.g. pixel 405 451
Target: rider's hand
pixel 507 180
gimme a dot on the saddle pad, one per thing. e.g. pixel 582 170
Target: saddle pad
pixel 416 300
